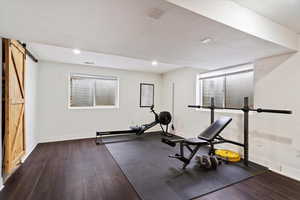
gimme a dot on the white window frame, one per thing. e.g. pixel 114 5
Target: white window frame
pixel 217 73
pixel 116 106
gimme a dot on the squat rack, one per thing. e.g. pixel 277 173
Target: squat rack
pixel 246 109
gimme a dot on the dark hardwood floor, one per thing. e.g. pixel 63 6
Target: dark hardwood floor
pixel 78 170
pixel 71 170
pixel 268 186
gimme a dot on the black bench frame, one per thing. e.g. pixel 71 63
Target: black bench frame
pixel 219 139
pixel 245 109
pixel 209 137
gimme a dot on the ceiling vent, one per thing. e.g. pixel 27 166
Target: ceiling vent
pixel 155 13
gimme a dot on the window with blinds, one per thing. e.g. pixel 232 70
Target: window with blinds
pixel 228 87
pixel 93 91
pixel 213 87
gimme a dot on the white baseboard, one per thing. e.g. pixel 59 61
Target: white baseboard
pixel 279 168
pixel 28 153
pixel 67 137
pixel 1 184
pixel 285 174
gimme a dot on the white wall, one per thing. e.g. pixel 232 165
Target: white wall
pixel 31 75
pixel 57 122
pixel 274 138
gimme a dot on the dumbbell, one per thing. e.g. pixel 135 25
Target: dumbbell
pixel 208 162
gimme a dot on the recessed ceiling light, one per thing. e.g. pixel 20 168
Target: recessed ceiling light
pixel 154 63
pixel 206 40
pixel 76 51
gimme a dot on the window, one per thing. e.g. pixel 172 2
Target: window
pixel 213 87
pixel 93 91
pixel 228 87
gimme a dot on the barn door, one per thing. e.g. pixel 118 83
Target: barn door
pixel 14 121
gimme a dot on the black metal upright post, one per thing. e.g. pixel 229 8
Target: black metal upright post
pixel 212 110
pixel 246 130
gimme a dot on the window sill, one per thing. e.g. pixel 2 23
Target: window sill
pixel 93 108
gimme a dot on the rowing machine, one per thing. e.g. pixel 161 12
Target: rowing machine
pixel 163 119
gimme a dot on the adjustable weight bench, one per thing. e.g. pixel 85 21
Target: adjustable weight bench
pixel 209 137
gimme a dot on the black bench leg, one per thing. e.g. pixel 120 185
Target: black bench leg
pixel 182 149
pixel 193 153
pixel 211 151
pixel 98 138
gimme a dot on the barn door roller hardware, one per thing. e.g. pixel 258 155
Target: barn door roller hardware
pixel 28 52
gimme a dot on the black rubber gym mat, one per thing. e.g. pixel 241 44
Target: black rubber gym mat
pixel 145 162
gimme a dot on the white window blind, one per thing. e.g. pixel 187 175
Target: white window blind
pixel 93 91
pixel 228 87
pixel 239 86
pixel 213 87
pixel 81 92
pixel 105 92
